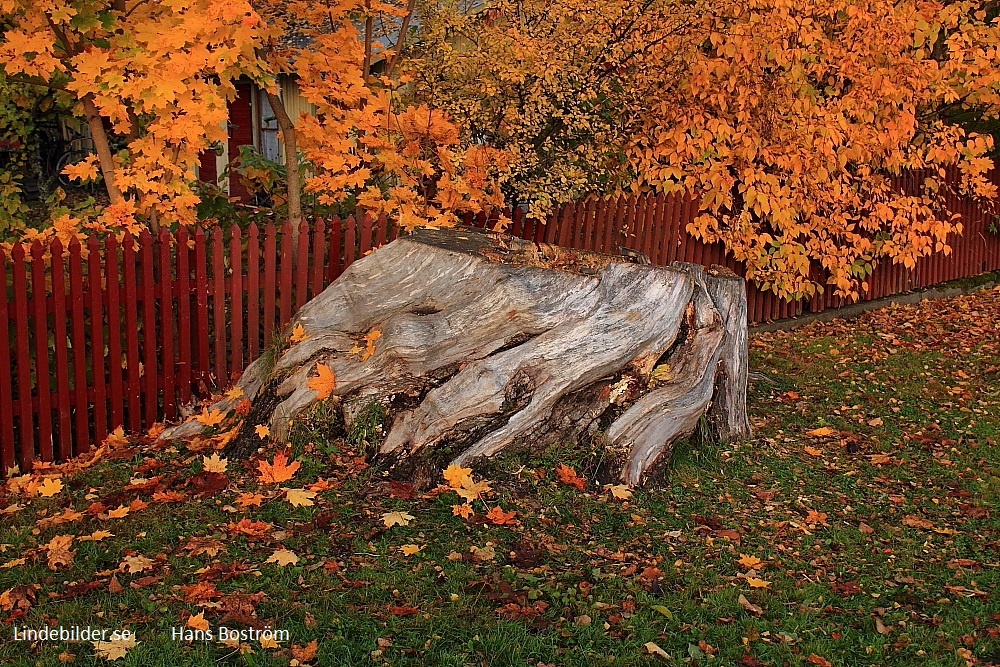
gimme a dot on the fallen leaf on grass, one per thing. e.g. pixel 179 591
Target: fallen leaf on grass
pixel 59 553
pixel 820 432
pixel 198 622
pixel 279 471
pixel 300 497
pixel 96 536
pixel 134 564
pixel 305 653
pixel 915 521
pixel 819 660
pixel 410 549
pixel 756 582
pixel 247 499
pixel 464 510
pixel 813 451
pixel 749 562
pixel 391 519
pixel 569 476
pixel 50 487
pixel 214 464
pixel 119 512
pixel 114 649
pixel 750 606
pixel 497 516
pixel 620 491
pixel 283 557
pixel 653 649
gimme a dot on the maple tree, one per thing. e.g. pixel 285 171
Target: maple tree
pixel 787 120
pixel 159 74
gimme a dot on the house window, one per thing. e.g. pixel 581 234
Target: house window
pixel 268 144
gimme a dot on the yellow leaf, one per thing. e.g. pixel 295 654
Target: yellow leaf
pixel 247 499
pixel 119 512
pixel 410 549
pixel 391 519
pixel 756 582
pixel 820 432
pixel 198 622
pixel 456 475
pixel 12 563
pixel 59 553
pixel 278 471
pixel 50 487
pixel 620 491
pixel 473 490
pixel 283 557
pixel 749 562
pixel 96 536
pixel 114 649
pixel 464 510
pixel 214 464
pixel 813 451
pixel 262 431
pixel 235 392
pixel 300 497
pixel 211 417
pixel 133 564
pixel 324 383
pixel 298 334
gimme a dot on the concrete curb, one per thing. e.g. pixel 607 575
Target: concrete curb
pixel 855 310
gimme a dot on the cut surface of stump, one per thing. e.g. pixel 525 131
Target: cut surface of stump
pixel 476 342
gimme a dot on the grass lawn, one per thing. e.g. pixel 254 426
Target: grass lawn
pixel 859 526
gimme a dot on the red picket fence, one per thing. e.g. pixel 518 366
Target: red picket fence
pixel 107 334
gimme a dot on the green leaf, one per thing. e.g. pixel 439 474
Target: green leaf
pixel 663 610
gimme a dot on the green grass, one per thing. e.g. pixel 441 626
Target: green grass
pixel 880 542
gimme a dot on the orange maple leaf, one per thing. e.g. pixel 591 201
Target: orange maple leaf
pixel 274 473
pixel 249 528
pixel 324 383
pixel 211 417
pixel 569 477
pixel 464 510
pixel 499 517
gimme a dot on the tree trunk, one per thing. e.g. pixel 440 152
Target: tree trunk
pixel 488 343
pixel 100 138
pixel 290 142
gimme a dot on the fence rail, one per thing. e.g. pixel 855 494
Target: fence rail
pixel 107 334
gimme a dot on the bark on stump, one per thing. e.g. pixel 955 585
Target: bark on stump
pixel 489 342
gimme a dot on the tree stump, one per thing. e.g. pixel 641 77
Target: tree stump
pixel 476 342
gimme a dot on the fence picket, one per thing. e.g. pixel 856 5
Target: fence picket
pixel 185 333
pixel 81 409
pixel 134 417
pixel 150 374
pixel 167 325
pixel 219 324
pixel 98 363
pixel 23 353
pixel 253 293
pixel 235 302
pixel 41 335
pixel 7 450
pixel 64 433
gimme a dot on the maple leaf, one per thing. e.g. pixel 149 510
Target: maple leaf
pixel 249 527
pixel 497 516
pixel 247 499
pixel 283 557
pixel 204 545
pixel 114 649
pixel 234 392
pixel 391 519
pixel 59 553
pixel 749 562
pixel 96 536
pixel 134 564
pixel 464 510
pixel 620 491
pixel 410 549
pixel 305 653
pixel 324 383
pixel 915 521
pixel 569 477
pixel 813 451
pixel 279 471
pixel 820 432
pixel 119 512
pixel 197 622
pixel 83 170
pixel 262 431
pixel 300 497
pixel 50 487
pixel 818 660
pixel 169 497
pixel 473 490
pixel 456 475
pixel 756 582
pixel 298 334
pixel 816 517
pixel 214 464
pixel 210 417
